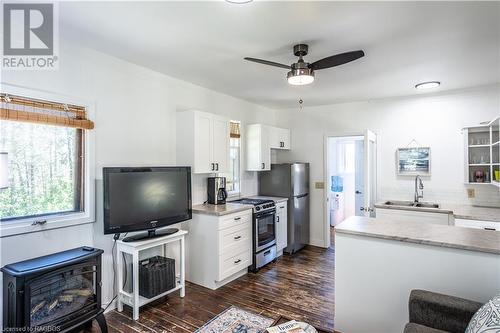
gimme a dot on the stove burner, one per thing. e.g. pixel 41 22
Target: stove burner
pixel 255 202
pixel 260 205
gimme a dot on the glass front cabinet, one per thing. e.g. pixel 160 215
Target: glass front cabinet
pixel 482 154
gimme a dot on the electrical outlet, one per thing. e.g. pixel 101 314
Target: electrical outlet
pixel 471 193
pixel 319 185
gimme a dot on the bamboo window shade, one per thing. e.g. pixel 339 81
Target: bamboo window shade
pixel 234 129
pixel 17 108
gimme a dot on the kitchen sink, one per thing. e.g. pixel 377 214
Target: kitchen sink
pixel 412 204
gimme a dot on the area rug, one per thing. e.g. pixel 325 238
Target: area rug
pixel 236 320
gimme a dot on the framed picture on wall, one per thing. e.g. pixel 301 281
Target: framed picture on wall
pixel 412 161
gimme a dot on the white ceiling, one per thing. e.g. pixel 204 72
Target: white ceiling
pixel 457 43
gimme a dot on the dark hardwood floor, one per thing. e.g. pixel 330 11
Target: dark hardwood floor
pixel 298 287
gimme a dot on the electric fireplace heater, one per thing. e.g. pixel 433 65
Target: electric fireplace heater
pixel 58 292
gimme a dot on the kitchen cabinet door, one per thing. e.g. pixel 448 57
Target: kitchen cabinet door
pixel 202 143
pixel 274 137
pixel 281 225
pixel 257 148
pixel 284 135
pixel 220 145
pixel 279 138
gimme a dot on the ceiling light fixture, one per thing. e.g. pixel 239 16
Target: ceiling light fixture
pixel 427 85
pixel 300 76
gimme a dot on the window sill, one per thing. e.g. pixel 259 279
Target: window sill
pixel 24 226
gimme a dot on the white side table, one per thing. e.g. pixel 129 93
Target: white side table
pixel 133 248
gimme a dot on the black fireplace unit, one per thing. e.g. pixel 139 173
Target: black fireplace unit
pixel 60 292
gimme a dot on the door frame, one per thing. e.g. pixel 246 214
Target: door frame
pixel 326 212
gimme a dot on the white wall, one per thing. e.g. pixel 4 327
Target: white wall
pixel 432 120
pixel 134 125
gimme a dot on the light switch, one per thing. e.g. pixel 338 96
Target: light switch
pixel 471 193
pixel 319 185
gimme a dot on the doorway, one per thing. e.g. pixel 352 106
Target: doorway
pixel 350 179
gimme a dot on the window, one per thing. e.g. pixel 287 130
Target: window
pixel 45 169
pixel 233 183
pixel 45 144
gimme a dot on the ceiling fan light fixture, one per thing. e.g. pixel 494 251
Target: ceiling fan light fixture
pixel 300 76
pixel 427 85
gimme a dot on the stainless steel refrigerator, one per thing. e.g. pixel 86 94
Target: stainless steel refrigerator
pixel 290 180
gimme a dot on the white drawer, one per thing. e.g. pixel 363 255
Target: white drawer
pixel 235 219
pixel 230 264
pixel 235 239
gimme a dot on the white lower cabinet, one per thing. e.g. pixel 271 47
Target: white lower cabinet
pixel 477 224
pixel 281 226
pixel 415 216
pixel 219 248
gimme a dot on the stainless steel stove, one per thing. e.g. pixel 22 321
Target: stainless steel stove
pixel 264 231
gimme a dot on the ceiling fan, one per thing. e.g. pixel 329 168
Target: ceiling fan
pixel 302 72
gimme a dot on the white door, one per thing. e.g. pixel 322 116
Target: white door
pixel 203 143
pixel 359 177
pixel 220 155
pixel 370 170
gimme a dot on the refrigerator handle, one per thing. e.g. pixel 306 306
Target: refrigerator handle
pixel 302 195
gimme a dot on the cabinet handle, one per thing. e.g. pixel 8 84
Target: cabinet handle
pixel 267 252
pixel 263 165
pixel 216 166
pixel 237 237
pixel 282 207
pixel 237 218
pixel 492 229
pixel 277 218
pixel 237 261
pixel 213 166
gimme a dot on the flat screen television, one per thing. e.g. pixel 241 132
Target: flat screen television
pixel 146 198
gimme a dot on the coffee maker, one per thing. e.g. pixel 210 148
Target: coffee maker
pixel 216 190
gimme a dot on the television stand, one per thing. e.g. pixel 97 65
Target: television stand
pixel 153 233
pixel 134 250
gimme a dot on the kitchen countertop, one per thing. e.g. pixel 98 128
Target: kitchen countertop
pixel 275 199
pixel 467 212
pixel 429 234
pixel 220 210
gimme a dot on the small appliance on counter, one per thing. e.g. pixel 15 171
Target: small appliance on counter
pixel 216 190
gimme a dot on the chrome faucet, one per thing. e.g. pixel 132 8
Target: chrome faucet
pixel 419 185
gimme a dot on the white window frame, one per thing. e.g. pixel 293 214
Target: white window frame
pixel 62 220
pixel 237 194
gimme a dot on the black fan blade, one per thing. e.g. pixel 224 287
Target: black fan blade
pixel 270 63
pixel 336 60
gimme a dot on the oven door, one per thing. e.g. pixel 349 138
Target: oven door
pixel 265 230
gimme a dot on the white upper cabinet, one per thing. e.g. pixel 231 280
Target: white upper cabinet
pixel 220 143
pixel 260 139
pixel 482 154
pixel 203 141
pixel 258 150
pixel 279 138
